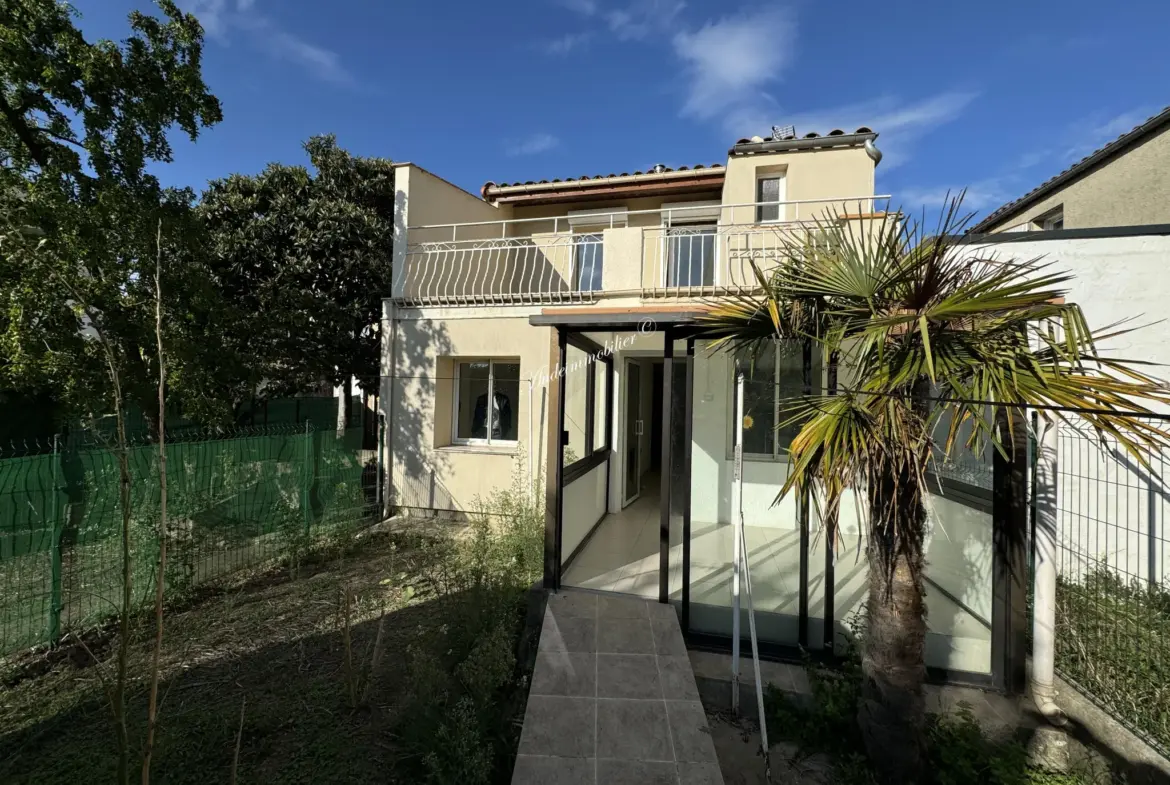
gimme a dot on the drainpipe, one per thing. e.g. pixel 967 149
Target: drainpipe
pixel 1044 617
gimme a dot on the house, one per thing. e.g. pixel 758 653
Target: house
pixel 1125 183
pixel 1105 220
pixel 549 329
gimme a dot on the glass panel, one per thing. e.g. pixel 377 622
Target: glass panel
pixel 691 257
pixel 958 579
pixel 587 252
pixel 771 532
pixel 679 480
pixel 768 191
pixel 759 402
pixel 959 551
pixel 576 378
pixel 506 394
pixel 600 435
pixel 633 429
pixel 473 413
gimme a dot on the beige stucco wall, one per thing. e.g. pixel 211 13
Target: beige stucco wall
pixel 808 174
pixel 1130 190
pixel 428 471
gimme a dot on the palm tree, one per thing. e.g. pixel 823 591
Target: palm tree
pixel 928 328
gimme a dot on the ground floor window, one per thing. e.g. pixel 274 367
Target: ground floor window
pixel 487 398
pixel 773 376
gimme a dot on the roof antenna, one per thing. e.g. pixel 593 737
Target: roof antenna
pixel 782 132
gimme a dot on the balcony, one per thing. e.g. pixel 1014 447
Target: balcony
pixel 678 253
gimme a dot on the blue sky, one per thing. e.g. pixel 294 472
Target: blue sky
pixel 995 96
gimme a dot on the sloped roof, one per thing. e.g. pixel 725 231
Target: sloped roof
pixel 1118 146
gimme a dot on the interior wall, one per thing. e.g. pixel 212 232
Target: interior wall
pixel 583 504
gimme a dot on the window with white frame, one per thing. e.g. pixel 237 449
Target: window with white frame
pixel 587 261
pixel 772 380
pixel 487 401
pixel 1053 221
pixel 770 188
pixel 690 255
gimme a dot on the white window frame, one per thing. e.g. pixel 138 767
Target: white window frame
pixel 782 208
pixel 489 441
pixel 1046 223
pixel 604 218
pixel 706 213
pixel 599 233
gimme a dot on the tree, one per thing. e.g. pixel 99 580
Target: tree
pixel 303 259
pixel 81 227
pixel 79 124
pixel 930 332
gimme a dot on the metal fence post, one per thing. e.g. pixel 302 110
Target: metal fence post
pixel 308 479
pixel 55 603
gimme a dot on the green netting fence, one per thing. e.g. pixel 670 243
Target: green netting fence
pixel 237 498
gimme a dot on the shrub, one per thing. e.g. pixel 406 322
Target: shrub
pixel 1113 641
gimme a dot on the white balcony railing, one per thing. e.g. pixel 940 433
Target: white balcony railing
pixel 671 254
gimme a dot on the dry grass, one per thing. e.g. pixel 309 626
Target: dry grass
pixel 267 639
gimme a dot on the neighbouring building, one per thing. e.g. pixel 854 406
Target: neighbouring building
pixel 1125 183
pixel 1106 221
pixel 548 331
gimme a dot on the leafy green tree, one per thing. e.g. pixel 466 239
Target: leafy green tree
pixel 303 260
pixel 81 217
pixel 84 228
pixel 937 340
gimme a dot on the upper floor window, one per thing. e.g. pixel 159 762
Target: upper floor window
pixel 1053 221
pixel 690 256
pixel 769 188
pixel 588 255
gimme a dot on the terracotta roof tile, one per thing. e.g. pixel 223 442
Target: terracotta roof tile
pixel 586 177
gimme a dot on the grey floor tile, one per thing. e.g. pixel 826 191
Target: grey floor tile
pixel 624 636
pixel 540 770
pixel 662 610
pixel 564 727
pixel 622 608
pixel 626 772
pixel 699 774
pixel 677 679
pixel 632 730
pixel 668 638
pixel 569 633
pixel 627 676
pixel 573 603
pixel 689 732
pixel 573 674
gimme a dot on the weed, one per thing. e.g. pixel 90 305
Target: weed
pixel 959 751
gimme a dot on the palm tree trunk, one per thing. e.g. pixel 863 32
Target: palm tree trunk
pixel 892 711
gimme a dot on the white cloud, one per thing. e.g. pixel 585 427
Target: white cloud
pixel 1091 133
pixel 900 123
pixel 730 62
pixel 566 43
pixel 219 17
pixel 537 143
pixel 583 7
pixel 323 63
pixel 986 194
pixel 642 17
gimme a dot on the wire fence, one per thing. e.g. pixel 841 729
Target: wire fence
pixel 237 498
pixel 1113 567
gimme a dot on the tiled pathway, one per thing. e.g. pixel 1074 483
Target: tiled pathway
pixel 613 699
